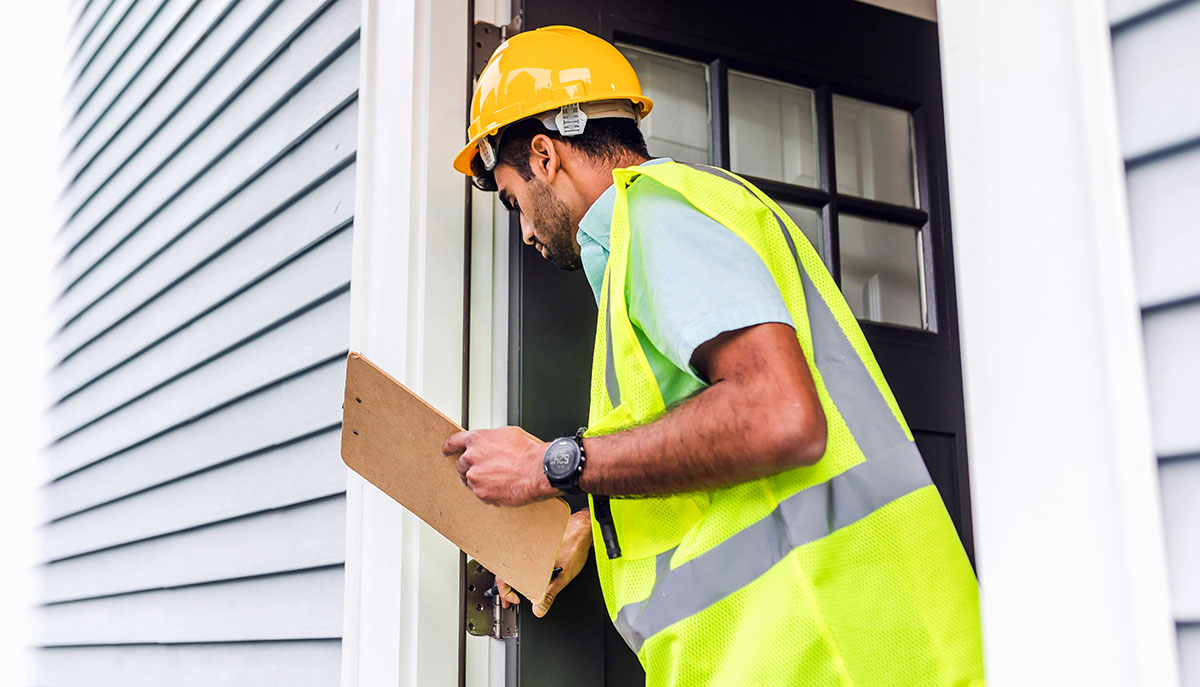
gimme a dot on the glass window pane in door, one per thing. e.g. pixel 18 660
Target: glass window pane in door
pixel 678 126
pixel 772 130
pixel 882 271
pixel 874 152
pixel 809 221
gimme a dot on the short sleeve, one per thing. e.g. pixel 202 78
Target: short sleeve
pixel 690 277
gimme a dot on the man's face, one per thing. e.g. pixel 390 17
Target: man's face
pixel 546 222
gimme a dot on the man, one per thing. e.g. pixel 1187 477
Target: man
pixel 782 528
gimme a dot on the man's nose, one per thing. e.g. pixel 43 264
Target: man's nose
pixel 526 230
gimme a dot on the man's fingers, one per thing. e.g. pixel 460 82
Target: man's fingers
pixel 455 443
pixel 507 595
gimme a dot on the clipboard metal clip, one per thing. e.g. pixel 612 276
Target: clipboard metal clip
pixel 484 616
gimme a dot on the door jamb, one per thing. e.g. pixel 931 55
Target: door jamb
pixel 401 595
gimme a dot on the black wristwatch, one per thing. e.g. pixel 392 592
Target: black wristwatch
pixel 564 461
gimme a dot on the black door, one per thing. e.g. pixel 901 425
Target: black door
pixel 834 108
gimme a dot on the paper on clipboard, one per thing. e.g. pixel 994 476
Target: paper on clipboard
pixel 393 438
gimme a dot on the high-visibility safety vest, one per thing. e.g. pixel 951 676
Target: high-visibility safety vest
pixel 846 572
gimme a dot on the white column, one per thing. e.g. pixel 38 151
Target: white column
pixel 401 616
pixel 1066 511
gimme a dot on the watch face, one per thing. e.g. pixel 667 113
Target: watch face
pixel 561 458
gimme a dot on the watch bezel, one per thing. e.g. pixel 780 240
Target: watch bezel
pixel 568 482
pixel 561 444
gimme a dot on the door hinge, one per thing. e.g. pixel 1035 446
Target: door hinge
pixel 487 37
pixel 485 617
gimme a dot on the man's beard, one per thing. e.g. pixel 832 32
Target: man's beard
pixel 553 220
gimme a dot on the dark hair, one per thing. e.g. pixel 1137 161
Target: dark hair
pixel 603 140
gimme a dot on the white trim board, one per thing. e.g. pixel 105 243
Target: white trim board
pixel 1066 509
pixel 401 606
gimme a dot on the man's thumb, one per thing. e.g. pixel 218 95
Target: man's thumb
pixel 542 607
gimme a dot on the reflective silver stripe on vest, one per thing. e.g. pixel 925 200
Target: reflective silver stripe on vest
pixel 610 365
pixel 893 468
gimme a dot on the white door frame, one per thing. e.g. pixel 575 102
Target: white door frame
pixel 1066 512
pixel 402 599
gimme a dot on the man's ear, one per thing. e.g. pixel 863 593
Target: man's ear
pixel 544 158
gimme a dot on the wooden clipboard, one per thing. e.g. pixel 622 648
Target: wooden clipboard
pixel 393 438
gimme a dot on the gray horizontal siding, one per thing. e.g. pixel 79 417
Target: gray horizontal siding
pixel 294 205
pixel 1174 371
pixel 119 55
pixel 1167 240
pixel 307 339
pixel 180 183
pixel 1189 649
pixel 1156 64
pixel 170 78
pixel 86 23
pixel 94 96
pixel 306 402
pixel 264 664
pixel 1122 12
pixel 96 41
pixel 231 490
pixel 1180 484
pixel 294 537
pixel 302 604
pixel 1157 68
pixel 194 513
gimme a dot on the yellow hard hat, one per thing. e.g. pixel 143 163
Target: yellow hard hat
pixel 541 71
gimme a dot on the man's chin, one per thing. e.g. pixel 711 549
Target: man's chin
pixel 569 261
pixel 568 265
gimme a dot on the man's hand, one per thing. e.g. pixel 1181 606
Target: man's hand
pixel 503 467
pixel 572 556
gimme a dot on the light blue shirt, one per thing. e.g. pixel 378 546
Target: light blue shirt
pixel 690 278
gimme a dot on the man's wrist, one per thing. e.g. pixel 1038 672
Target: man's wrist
pixel 587 480
pixel 542 489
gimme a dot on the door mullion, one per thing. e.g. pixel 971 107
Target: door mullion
pixel 886 212
pixel 825 155
pixel 718 109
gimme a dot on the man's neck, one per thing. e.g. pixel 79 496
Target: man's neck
pixel 602 179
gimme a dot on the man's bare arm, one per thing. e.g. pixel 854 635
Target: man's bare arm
pixel 760 416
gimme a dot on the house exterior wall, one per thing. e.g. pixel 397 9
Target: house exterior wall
pixel 194 507
pixel 1157 70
